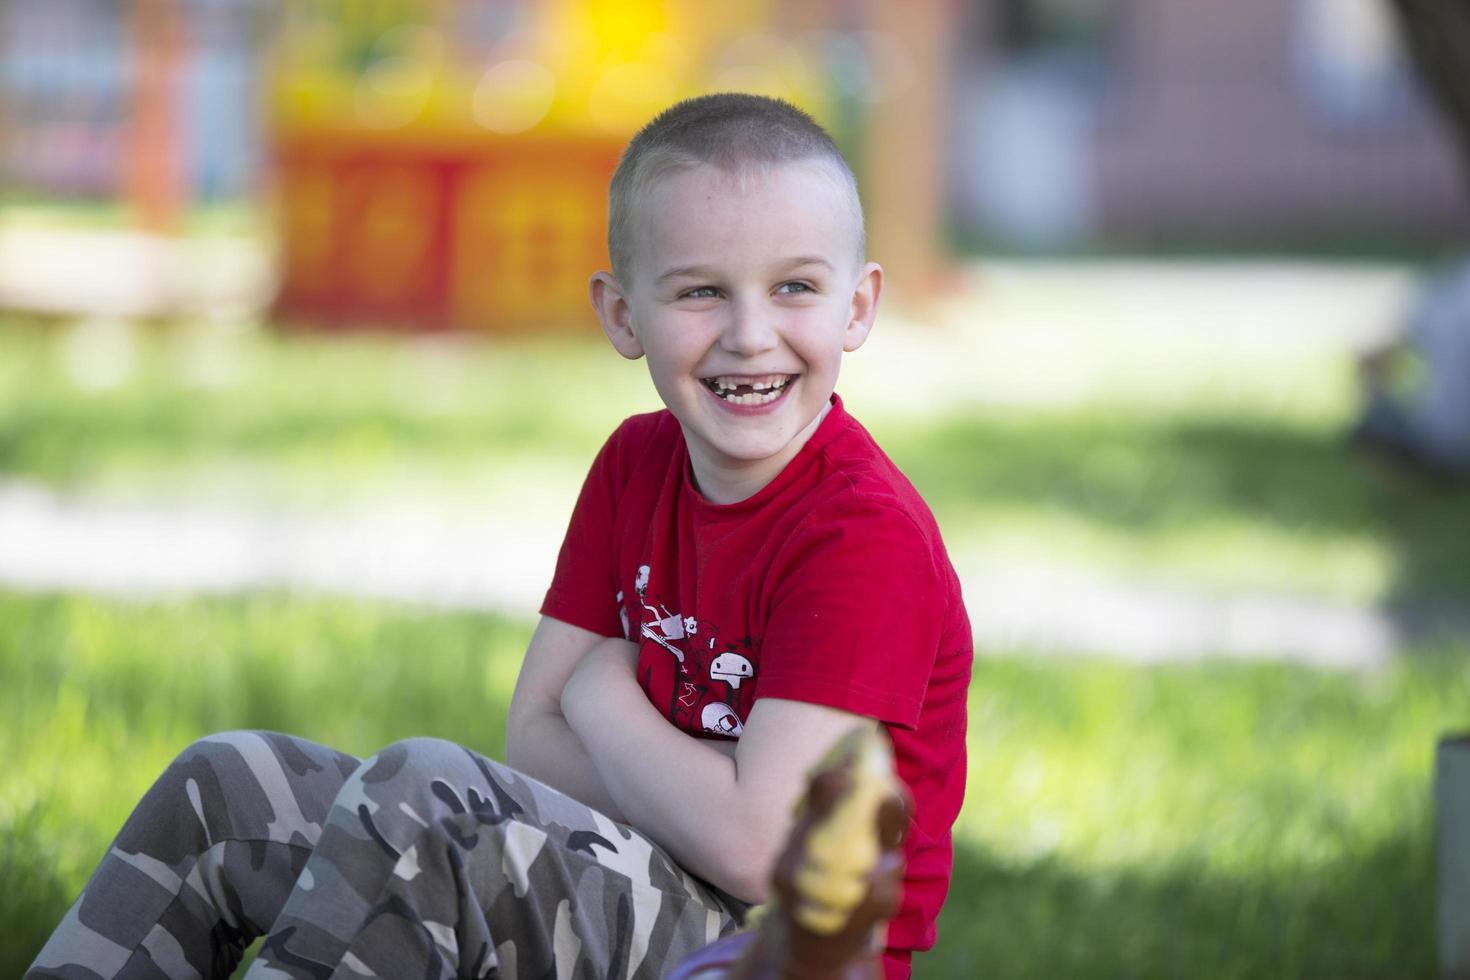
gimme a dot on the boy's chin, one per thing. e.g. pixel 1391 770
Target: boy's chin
pixel 753 449
pixel 739 450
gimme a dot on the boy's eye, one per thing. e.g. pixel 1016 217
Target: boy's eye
pixel 701 292
pixel 794 287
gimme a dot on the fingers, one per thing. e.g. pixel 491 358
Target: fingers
pixel 893 820
pixel 886 893
pixel 826 789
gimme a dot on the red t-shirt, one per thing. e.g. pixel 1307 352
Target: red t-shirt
pixel 831 586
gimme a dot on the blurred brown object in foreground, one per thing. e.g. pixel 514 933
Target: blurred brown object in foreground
pixel 836 884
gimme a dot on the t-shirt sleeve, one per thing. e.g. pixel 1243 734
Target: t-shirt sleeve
pixel 856 616
pixel 583 589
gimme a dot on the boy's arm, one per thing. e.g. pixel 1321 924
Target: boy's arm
pixel 538 741
pixel 723 818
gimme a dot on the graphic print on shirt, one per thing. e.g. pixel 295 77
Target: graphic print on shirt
pixel 720 719
pixel 700 688
pixel 664 628
pixel 731 668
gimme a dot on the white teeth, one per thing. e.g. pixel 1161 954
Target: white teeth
pixel 752 398
pixel 757 391
pixel 770 382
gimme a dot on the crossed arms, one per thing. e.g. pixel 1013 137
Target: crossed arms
pixel 580 723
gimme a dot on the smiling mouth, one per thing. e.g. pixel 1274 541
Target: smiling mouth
pixel 740 390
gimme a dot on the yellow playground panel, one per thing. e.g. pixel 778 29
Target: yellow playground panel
pixel 444 165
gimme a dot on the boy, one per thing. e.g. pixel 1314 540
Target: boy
pixel 745 578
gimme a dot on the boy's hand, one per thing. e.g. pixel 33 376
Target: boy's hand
pixel 607 670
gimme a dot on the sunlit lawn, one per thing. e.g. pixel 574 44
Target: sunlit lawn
pixel 1238 479
pixel 1209 819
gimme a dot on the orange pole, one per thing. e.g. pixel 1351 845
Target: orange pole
pixel 154 175
pixel 905 150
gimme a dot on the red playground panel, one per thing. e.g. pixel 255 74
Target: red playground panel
pixel 428 234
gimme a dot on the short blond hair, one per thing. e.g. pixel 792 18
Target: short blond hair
pixel 729 130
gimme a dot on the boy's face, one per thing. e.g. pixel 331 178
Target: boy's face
pixel 744 294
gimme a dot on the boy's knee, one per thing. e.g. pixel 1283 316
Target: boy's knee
pixel 242 772
pixel 407 770
pixel 256 756
pixel 210 788
pixel 216 751
pixel 417 758
pixel 430 773
pixel 424 748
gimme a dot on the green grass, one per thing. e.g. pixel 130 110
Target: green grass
pixel 193 409
pixel 18 209
pixel 1218 820
pixel 98 696
pixel 1209 819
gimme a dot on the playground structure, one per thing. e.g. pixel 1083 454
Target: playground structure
pixel 427 164
pixel 441 164
pixel 444 165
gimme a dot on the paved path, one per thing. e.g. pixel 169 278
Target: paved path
pixel 116 273
pixel 50 541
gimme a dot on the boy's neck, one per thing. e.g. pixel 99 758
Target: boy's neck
pixel 731 484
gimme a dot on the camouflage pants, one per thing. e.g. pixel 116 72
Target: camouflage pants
pixel 426 860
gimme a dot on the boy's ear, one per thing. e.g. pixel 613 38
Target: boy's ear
pixel 864 306
pixel 615 314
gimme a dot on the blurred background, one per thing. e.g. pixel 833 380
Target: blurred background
pixel 298 384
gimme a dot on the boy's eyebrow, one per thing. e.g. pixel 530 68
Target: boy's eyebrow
pixel 684 272
pixel 803 260
pixel 706 272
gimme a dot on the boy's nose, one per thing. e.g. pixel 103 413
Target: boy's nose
pixel 749 331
